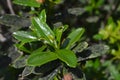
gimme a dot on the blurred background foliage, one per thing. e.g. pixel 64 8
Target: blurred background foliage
pixel 100 18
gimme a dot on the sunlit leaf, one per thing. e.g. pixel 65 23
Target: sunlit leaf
pixel 43 30
pixel 40 58
pixel 74 36
pixel 42 16
pixel 24 36
pixel 58 32
pixel 68 57
pixel 31 3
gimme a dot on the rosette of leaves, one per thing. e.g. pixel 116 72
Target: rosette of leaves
pixel 48 54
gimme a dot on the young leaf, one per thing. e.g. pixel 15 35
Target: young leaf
pixel 24 36
pixel 74 36
pixel 58 33
pixel 40 58
pixel 42 30
pixel 68 57
pixel 42 16
pixel 31 3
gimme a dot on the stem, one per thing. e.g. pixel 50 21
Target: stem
pixel 10 7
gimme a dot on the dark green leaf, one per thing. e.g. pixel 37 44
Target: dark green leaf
pixel 75 36
pixel 68 57
pixel 58 32
pixel 39 49
pixel 31 3
pixel 40 58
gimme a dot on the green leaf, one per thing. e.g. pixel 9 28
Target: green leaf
pixel 24 36
pixel 56 1
pixel 40 58
pixel 43 30
pixel 31 3
pixel 98 36
pixel 74 36
pixel 58 33
pixel 68 57
pixel 42 16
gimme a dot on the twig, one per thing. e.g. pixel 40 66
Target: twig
pixel 10 7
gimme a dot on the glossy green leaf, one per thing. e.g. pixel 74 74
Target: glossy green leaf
pixel 43 30
pixel 40 58
pixel 24 36
pixel 31 3
pixel 68 57
pixel 42 16
pixel 74 36
pixel 58 33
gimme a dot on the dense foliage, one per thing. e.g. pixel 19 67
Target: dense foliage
pixel 59 39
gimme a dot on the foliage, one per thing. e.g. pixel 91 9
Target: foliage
pixel 55 48
pixel 47 49
pixel 110 33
